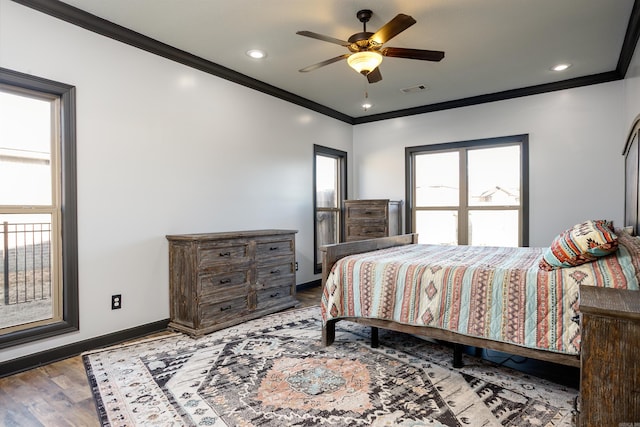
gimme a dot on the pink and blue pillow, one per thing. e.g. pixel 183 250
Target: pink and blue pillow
pixel 582 243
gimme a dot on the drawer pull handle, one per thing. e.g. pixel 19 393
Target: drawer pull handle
pixel 273 248
pixel 275 271
pixel 225 281
pixel 225 254
pixel 368 213
pixel 274 295
pixel 228 307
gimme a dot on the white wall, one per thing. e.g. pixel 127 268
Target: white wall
pixel 576 138
pixel 164 149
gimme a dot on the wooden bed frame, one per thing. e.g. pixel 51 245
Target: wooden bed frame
pixel 332 253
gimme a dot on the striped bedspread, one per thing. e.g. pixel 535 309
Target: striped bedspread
pixel 487 292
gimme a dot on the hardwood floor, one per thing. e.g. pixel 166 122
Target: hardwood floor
pixel 59 394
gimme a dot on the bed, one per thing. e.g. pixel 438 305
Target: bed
pixel 493 298
pixel 487 297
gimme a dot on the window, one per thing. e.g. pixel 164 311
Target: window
pixel 38 246
pixel 330 189
pixel 469 193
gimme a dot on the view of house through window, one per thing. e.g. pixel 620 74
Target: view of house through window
pixel 329 167
pixel 469 193
pixel 30 289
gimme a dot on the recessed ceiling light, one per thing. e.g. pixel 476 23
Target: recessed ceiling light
pixel 257 53
pixel 366 106
pixel 560 67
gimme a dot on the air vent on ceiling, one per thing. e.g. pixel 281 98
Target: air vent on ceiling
pixel 414 89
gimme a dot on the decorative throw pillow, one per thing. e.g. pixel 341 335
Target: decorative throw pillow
pixel 580 244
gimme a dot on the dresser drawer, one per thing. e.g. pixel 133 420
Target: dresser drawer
pixel 274 248
pixel 224 284
pixel 220 254
pixel 273 275
pixel 366 212
pixel 222 311
pixel 369 231
pixel 273 296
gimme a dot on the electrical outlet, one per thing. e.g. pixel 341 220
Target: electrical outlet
pixel 296 265
pixel 116 302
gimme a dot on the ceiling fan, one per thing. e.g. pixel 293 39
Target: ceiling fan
pixel 366 47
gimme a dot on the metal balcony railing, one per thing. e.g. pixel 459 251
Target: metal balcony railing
pixel 26 267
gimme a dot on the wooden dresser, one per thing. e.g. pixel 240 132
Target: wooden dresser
pixel 221 279
pixel 370 219
pixel 610 357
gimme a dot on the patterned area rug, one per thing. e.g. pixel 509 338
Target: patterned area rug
pixel 275 372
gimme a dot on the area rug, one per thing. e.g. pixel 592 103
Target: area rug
pixel 274 371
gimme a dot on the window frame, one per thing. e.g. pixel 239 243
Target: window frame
pixel 67 210
pixel 462 147
pixel 341 156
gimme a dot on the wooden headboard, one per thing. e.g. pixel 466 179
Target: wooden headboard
pixel 631 155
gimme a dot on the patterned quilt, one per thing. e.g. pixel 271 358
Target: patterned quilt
pixel 496 293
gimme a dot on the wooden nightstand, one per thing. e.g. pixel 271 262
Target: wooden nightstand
pixel 370 219
pixel 610 357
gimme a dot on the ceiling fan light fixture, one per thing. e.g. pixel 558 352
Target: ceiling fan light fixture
pixel 364 62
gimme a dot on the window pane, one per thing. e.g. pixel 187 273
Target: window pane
pixel 25 150
pixel 26 292
pixel 437 227
pixel 38 171
pixel 437 179
pixel 327 230
pixel 330 166
pixel 326 182
pixel 494 176
pixel 493 228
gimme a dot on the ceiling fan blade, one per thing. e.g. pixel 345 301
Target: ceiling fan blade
pixel 424 55
pixel 392 28
pixel 323 38
pixel 374 75
pixel 323 63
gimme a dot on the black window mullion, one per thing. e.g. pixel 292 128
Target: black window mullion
pixel 341 158
pixel 464 209
pixel 67 206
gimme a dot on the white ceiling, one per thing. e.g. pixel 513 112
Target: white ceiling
pixel 490 46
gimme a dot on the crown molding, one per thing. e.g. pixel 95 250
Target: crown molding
pixel 109 29
pixel 493 97
pixel 101 26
